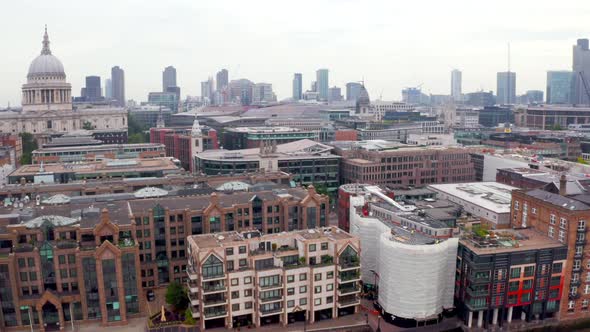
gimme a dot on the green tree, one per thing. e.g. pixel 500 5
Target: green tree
pixel 88 126
pixel 29 144
pixel 176 296
pixel 136 133
pixel 188 317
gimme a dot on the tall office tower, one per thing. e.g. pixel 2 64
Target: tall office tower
pixel 297 86
pixel 314 86
pixel 108 89
pixel 581 73
pixel 353 90
pixel 222 79
pixel 334 94
pixel 168 78
pixel 262 92
pixel 206 90
pixel 241 90
pixel 323 83
pixel 559 86
pixel 506 87
pixel 118 85
pixel 92 91
pixel 456 77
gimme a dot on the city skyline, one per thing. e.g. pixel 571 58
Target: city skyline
pixel 350 53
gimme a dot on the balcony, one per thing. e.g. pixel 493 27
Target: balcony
pixel 24 247
pixel 66 244
pixel 348 301
pixel 214 301
pixel 126 242
pixel 580 242
pixel 347 265
pixel 578 255
pixel 271 311
pixel 349 276
pixel 193 286
pixel 479 278
pixel 573 296
pixel 192 273
pixel 478 292
pixel 344 290
pixel 213 288
pixel 577 268
pixel 194 299
pixel 195 312
pixel 576 282
pixel 271 286
pixel 271 299
pixel 217 313
pixel 581 230
pixel 213 277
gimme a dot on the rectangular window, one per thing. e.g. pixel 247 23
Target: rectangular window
pixel 290 278
pixel 247 280
pixel 330 275
pixel 317 277
pixel 302 289
pixel 290 303
pixel 318 289
pixel 551 232
pixel 324 245
pixel 529 271
pixel 235 307
pixel 515 272
pixel 317 301
pixel 303 301
pixel 248 305
pixel 235 282
pixel 229 251
pixel 290 291
pixel 581 225
pixel 562 223
pixel 312 247
pixel 552 219
pixel 242 249
pixel 329 287
pixel 561 237
pixel 557 267
pixel 302 276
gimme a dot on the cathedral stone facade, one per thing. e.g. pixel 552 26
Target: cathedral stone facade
pixel 47 103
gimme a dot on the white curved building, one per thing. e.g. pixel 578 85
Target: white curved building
pixel 415 273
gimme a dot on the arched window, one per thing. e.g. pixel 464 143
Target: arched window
pixel 349 257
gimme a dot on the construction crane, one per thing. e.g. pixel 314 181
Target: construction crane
pixel 585 84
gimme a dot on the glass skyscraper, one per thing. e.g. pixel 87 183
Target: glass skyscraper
pixel 559 86
pixel 322 83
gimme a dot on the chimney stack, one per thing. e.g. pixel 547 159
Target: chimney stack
pixel 562 185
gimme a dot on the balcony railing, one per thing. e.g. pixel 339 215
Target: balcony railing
pixel 271 299
pixel 345 277
pixel 270 311
pixel 24 247
pixel 580 242
pixel 213 276
pixel 348 289
pixel 67 244
pixel 213 288
pixel 214 301
pixel 195 312
pixel 271 286
pixel 348 301
pixel 215 313
pixel 479 292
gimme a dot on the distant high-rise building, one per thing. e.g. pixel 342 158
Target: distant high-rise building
pixel 506 88
pixel 176 91
pixel 334 94
pixel 532 97
pixel 241 90
pixel 118 85
pixel 414 96
pixel 313 86
pixel 108 89
pixel 456 78
pixel 581 73
pixel 262 92
pixel 559 86
pixel 93 90
pixel 480 98
pixel 222 79
pixel 323 83
pixel 297 86
pixel 206 90
pixel 168 78
pixel 353 90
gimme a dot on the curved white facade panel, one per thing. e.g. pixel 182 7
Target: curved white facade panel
pixel 416 281
pixel 368 231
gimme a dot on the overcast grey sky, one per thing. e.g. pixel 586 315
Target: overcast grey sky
pixel 389 43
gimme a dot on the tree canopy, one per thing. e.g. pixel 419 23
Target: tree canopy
pixel 176 296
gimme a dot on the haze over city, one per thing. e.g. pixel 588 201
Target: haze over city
pixel 389 44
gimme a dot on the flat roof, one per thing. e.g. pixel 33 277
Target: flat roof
pixel 492 196
pixel 102 166
pixel 296 149
pixel 510 240
pixel 225 239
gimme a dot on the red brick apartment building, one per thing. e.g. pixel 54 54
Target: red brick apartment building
pixel 565 219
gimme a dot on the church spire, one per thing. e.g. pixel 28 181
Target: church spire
pixel 45 50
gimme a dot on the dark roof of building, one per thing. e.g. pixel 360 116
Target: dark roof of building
pixel 555 199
